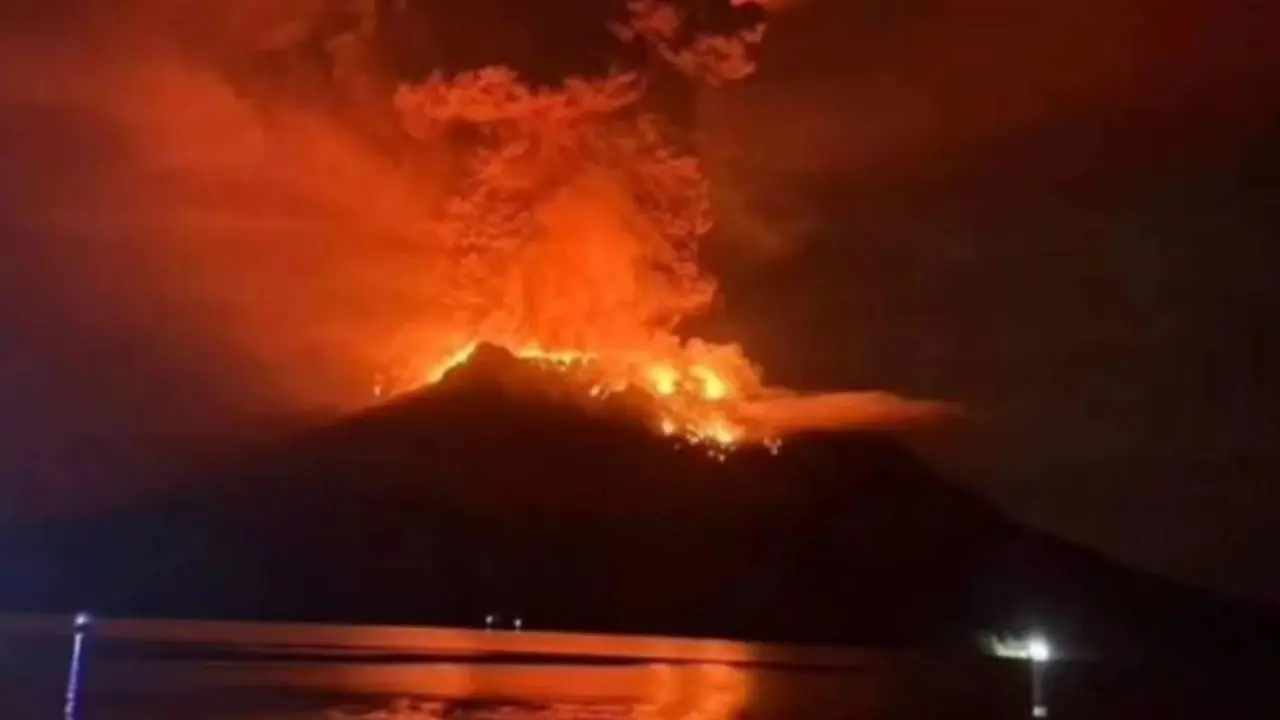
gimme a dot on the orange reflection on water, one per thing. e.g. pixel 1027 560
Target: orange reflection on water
pixel 510 692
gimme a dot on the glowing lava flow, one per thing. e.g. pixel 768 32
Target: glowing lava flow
pixel 532 353
pixel 693 400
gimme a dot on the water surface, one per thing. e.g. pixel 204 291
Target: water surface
pixel 148 670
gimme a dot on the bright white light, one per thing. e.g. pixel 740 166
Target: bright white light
pixel 1038 649
pixel 1034 648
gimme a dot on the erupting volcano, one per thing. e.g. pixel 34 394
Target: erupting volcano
pixel 344 200
pixel 570 239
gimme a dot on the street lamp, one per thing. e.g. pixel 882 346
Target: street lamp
pixel 79 626
pixel 1038 652
pixel 1035 649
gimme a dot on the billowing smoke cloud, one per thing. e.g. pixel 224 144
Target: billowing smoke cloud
pixel 180 251
pixel 213 211
pixel 263 224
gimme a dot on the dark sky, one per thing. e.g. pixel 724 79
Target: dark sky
pixel 1061 213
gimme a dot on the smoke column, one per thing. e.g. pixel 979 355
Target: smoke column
pixel 200 229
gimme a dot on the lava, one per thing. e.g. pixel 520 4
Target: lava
pixel 691 400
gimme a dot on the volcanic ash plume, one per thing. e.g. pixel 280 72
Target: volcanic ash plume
pixel 576 223
pixel 272 188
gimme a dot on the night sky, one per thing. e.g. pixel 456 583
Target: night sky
pixel 1062 214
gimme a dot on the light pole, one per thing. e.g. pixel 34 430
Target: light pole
pixel 80 626
pixel 1039 653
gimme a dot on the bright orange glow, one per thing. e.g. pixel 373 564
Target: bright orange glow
pixel 691 400
pixel 714 387
pixel 453 360
pixel 571 235
pixel 571 239
pixel 709 395
pixel 664 379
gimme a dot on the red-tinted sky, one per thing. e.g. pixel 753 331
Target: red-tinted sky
pixel 1061 213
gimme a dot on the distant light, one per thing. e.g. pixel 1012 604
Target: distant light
pixel 72 699
pixel 1038 650
pixel 1035 648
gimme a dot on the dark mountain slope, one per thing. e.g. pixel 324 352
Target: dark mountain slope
pixel 500 491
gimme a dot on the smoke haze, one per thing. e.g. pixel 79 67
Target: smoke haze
pixel 176 257
pixel 836 411
pixel 195 240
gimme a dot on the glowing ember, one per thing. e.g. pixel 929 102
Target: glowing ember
pixel 663 379
pixel 714 387
pixel 562 359
pixel 456 358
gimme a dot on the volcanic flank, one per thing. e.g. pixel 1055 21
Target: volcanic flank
pixel 504 489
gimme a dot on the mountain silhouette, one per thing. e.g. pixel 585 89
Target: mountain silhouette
pixel 503 490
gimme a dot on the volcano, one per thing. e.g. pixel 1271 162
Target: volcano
pixel 504 489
